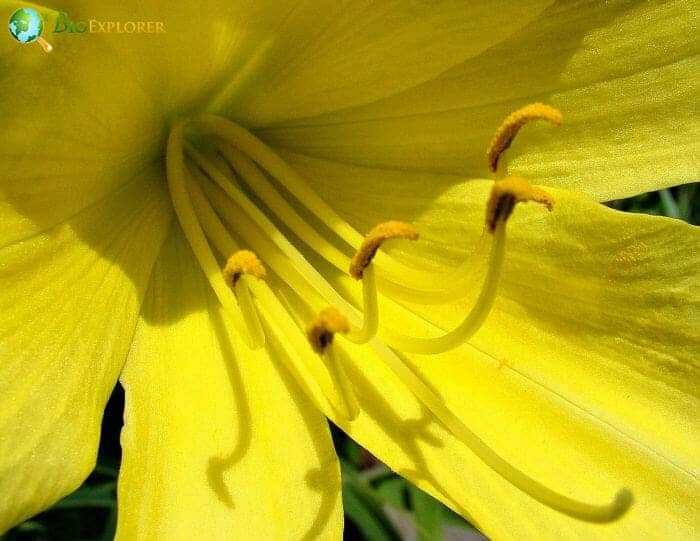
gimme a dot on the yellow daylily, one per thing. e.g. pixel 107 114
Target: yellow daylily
pixel 137 166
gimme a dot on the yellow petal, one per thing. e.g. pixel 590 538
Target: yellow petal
pixel 84 119
pixel 68 307
pixel 604 306
pixel 629 105
pixel 219 442
pixel 331 55
pixel 598 311
pixel 557 441
pixel 585 373
pixel 560 440
pixel 203 50
pixel 77 124
pixel 632 278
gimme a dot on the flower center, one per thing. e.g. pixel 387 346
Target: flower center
pixel 229 189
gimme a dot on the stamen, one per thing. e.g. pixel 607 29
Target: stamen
pixel 370 310
pixel 289 264
pixel 251 174
pixel 225 193
pixel 329 386
pixel 240 263
pixel 245 262
pixel 321 330
pixel 361 267
pixel 257 151
pixel 424 287
pixel 293 268
pixel 319 385
pixel 320 333
pixel 473 320
pixel 177 184
pixel 504 196
pixel 374 239
pixel 511 125
pixel 506 193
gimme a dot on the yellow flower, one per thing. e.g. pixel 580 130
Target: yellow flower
pixel 287 129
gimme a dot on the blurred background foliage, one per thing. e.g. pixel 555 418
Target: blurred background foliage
pixel 379 505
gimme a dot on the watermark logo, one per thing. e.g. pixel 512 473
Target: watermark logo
pixel 64 23
pixel 26 26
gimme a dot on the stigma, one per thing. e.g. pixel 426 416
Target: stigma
pixel 232 193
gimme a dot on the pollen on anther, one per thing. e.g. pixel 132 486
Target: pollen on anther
pixel 507 131
pixel 240 263
pixel 321 330
pixel 385 231
pixel 506 193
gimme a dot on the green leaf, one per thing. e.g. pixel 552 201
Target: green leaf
pixel 427 514
pixel 110 526
pixel 668 203
pixel 687 201
pixel 106 470
pixel 372 522
pixel 86 496
pixel 394 491
pixel 31 526
pixel 365 508
pixel 377 474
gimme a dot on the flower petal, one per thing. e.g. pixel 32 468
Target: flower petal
pixel 558 439
pixel 218 440
pixel 549 436
pixel 68 307
pixel 85 118
pixel 194 53
pixel 622 74
pixel 68 138
pixel 333 55
pixel 584 375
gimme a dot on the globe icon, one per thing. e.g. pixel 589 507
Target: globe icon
pixel 26 26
